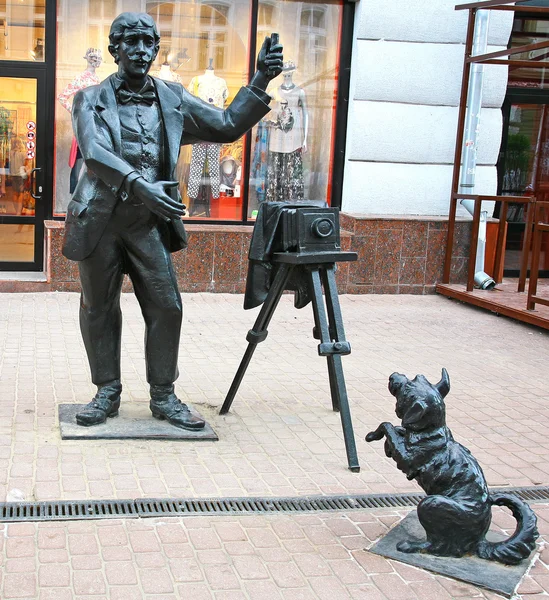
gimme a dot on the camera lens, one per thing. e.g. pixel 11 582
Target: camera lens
pixel 322 227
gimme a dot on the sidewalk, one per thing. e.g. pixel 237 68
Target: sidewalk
pixel 280 439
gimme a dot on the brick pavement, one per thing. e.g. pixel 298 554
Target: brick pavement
pixel 281 438
pixel 303 557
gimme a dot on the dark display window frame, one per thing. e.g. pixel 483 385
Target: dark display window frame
pixel 44 71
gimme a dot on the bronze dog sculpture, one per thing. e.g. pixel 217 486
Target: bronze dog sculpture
pixel 457 511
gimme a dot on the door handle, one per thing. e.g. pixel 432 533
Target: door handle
pixel 32 181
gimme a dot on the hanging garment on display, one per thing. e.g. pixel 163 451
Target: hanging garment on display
pixel 287 140
pixel 210 88
pixel 288 131
pixel 285 177
pixel 200 154
pixel 85 79
pixel 6 131
pixel 259 160
pixel 213 90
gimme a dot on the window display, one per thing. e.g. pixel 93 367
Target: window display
pixel 288 140
pixel 205 47
pixel 213 90
pixel 292 146
pixel 88 77
pixel 17 145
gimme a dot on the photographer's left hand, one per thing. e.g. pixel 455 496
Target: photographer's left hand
pixel 269 64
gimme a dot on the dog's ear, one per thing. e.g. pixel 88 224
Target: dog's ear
pixel 443 386
pixel 415 414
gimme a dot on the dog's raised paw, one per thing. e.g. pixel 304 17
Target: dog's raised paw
pixel 376 435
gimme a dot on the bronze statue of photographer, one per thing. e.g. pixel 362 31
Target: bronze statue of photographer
pixel 125 214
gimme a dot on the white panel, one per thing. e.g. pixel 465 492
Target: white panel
pixel 424 21
pixel 400 189
pixel 408 133
pixel 419 73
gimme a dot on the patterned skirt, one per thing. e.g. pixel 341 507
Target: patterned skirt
pixel 285 176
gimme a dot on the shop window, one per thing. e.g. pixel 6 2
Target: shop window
pixel 204 47
pixel 292 145
pixel 266 17
pixel 530 31
pixel 200 43
pixel 312 40
pixel 214 19
pixel 22 30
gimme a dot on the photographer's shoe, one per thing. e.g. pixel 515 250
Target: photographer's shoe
pixel 175 412
pixel 105 403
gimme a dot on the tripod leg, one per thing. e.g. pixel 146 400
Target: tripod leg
pixel 337 382
pixel 259 331
pixel 326 328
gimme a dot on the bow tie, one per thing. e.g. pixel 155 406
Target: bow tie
pixel 146 97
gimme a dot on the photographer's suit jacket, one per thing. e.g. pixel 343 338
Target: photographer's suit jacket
pixel 96 124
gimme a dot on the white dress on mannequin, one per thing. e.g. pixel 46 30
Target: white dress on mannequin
pixel 287 141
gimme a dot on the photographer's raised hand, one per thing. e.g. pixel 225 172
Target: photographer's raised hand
pixel 269 62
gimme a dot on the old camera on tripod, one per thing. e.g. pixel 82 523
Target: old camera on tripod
pixel 309 230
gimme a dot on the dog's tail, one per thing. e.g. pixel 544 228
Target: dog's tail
pixel 519 546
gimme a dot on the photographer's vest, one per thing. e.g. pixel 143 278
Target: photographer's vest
pixel 142 137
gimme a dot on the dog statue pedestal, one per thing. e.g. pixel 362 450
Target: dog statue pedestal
pixel 457 512
pixel 490 575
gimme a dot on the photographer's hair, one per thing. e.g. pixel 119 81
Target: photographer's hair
pixel 131 20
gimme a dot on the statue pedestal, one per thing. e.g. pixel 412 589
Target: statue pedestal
pixel 135 422
pixel 491 575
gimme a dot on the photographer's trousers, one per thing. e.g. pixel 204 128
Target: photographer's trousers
pixel 133 242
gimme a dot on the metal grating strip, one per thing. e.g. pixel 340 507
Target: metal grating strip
pixel 159 507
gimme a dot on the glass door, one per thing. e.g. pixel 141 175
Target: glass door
pixel 524 170
pixel 22 185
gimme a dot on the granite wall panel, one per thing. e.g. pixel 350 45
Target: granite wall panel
pixel 395 256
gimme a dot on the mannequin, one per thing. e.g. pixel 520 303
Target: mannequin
pixel 212 89
pixel 230 176
pixel 19 172
pixel 287 140
pixel 88 77
pixel 166 72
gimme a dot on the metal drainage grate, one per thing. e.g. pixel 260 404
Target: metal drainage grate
pixel 109 509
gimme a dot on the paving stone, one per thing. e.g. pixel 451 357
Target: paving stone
pixel 19 565
pixel 286 575
pixel 144 541
pixel 221 577
pixel 20 547
pixel 393 587
pixel 328 588
pixel 120 573
pixel 83 544
pixel 185 570
pixel 89 582
pixel 156 581
pixel 125 593
pixel 250 567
